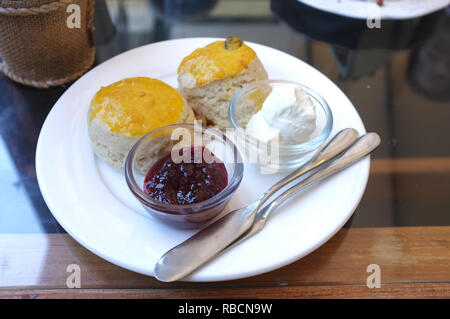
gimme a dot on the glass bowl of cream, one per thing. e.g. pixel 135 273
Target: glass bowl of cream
pixel 279 125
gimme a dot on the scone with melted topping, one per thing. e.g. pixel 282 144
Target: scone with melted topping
pixel 210 76
pixel 124 111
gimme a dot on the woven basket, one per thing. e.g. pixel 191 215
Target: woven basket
pixel 37 47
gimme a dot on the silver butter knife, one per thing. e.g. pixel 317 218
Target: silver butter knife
pixel 210 241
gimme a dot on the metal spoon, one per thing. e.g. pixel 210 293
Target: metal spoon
pixel 208 242
pixel 340 142
pixel 365 145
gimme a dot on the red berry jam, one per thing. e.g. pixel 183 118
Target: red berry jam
pixel 186 183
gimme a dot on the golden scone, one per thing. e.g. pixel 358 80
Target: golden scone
pixel 210 76
pixel 124 111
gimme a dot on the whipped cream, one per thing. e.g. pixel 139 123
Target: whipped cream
pixel 287 113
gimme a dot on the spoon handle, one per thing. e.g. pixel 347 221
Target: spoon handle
pixel 340 142
pixel 362 147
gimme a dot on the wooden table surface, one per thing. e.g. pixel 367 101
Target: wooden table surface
pixel 414 262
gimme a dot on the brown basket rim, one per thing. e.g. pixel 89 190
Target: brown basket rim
pixel 14 8
pixel 49 83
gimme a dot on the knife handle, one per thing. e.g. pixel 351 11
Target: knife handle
pixel 362 147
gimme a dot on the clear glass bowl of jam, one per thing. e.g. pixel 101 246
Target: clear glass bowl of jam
pixel 184 174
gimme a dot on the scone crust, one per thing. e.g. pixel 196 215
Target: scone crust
pixel 211 101
pixel 113 147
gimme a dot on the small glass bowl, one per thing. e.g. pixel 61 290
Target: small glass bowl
pixel 162 141
pixel 290 156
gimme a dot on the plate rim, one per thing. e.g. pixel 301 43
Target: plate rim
pixel 74 234
pixel 385 12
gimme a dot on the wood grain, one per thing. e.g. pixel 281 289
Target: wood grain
pixel 418 290
pixel 413 165
pixel 405 254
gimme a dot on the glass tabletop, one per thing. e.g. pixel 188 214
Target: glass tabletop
pixel 397 76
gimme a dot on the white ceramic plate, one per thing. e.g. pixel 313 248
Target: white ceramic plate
pixel 391 9
pixel 94 205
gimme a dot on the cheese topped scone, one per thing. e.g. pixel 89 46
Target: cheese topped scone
pixel 124 111
pixel 210 76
